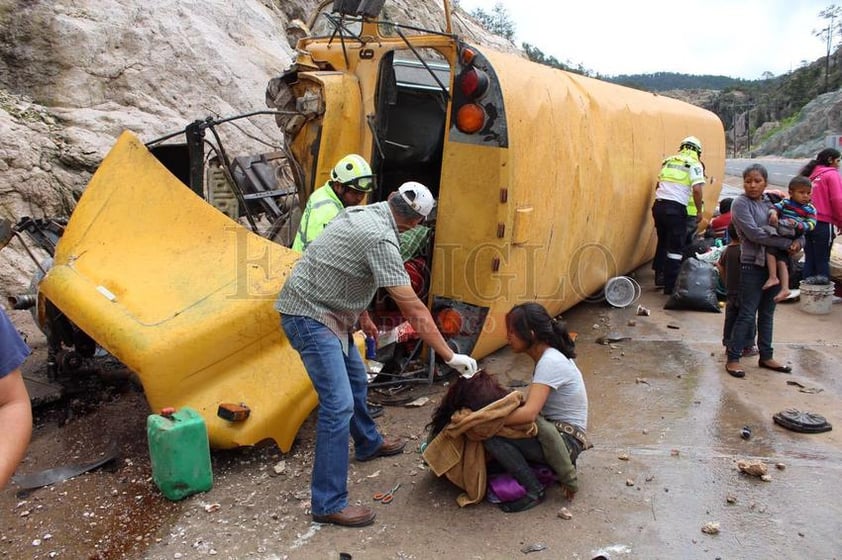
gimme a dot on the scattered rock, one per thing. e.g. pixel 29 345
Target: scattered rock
pixel 673 326
pixel 731 499
pixel 753 468
pixel 674 452
pixel 710 528
pixel 780 466
pixel 629 482
pixel 534 547
pixel 641 380
pixel 280 467
pixel 632 323
pixel 210 508
pixel 642 311
pixel 623 456
pixel 564 513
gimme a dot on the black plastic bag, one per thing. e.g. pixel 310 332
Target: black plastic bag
pixel 695 288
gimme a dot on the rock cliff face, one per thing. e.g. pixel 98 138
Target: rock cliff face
pixel 75 73
pixel 818 119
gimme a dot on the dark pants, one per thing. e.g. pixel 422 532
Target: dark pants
pixel 817 251
pixel 514 455
pixel 732 310
pixel 756 306
pixel 671 225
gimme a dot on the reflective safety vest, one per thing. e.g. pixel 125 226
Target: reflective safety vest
pixel 684 168
pixel 679 174
pixel 322 206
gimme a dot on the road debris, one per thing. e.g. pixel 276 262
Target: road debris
pixel 642 311
pixel 564 513
pixel 419 402
pixel 623 456
pixel 534 547
pixel 710 528
pixel 753 468
pixel 629 482
pixel 731 499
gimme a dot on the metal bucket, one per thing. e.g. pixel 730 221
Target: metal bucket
pixel 816 299
pixel 622 291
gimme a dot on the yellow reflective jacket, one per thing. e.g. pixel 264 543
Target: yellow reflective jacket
pixel 322 206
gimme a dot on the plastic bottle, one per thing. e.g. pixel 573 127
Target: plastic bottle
pixel 179 451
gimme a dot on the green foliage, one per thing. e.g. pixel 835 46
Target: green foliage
pixel 535 54
pixel 498 21
pixel 662 81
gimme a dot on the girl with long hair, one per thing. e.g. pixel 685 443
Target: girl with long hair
pixel 557 393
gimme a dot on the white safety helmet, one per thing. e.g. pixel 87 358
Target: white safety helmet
pixel 693 143
pixel 353 171
pixel 418 197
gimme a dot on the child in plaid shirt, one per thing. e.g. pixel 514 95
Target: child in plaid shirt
pixel 791 217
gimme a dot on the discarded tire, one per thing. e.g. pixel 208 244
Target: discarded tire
pixel 802 421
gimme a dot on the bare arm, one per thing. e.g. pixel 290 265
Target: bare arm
pixel 16 421
pixel 536 396
pixel 414 311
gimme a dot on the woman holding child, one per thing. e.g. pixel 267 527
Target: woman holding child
pixel 750 214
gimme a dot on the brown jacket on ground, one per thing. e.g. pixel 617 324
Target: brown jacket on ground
pixel 458 453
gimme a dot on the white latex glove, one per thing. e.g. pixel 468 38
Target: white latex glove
pixel 464 364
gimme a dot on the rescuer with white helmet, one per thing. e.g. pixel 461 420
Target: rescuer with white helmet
pixel 680 181
pixel 350 180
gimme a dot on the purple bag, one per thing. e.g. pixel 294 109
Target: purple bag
pixel 505 488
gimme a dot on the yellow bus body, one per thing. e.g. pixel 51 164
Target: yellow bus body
pixel 545 204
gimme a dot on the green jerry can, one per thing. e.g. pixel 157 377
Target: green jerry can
pixel 180 454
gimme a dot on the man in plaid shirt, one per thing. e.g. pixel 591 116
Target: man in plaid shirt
pixel 320 304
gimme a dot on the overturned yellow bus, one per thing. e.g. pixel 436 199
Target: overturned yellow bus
pixel 544 181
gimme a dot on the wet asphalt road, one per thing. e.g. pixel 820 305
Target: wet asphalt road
pixel 665 419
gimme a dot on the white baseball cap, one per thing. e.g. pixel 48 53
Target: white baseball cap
pixel 418 197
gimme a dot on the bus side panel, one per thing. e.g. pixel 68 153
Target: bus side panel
pixel 579 174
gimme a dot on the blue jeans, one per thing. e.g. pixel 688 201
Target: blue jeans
pixel 756 305
pixel 342 385
pixel 817 251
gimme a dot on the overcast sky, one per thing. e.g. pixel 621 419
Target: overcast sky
pixel 736 38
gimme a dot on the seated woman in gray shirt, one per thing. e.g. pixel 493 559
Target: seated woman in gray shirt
pixel 557 393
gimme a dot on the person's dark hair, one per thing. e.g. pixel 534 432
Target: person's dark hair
pixel 532 323
pixel 725 205
pixel 822 158
pixel 800 181
pixel 756 167
pixel 475 393
pixel 732 232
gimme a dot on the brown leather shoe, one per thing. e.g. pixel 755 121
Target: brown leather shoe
pixel 390 446
pixel 351 516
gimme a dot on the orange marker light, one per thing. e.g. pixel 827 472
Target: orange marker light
pixel 468 56
pixel 470 118
pixel 449 321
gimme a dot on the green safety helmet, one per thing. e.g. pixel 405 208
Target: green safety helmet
pixel 353 171
pixel 693 143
